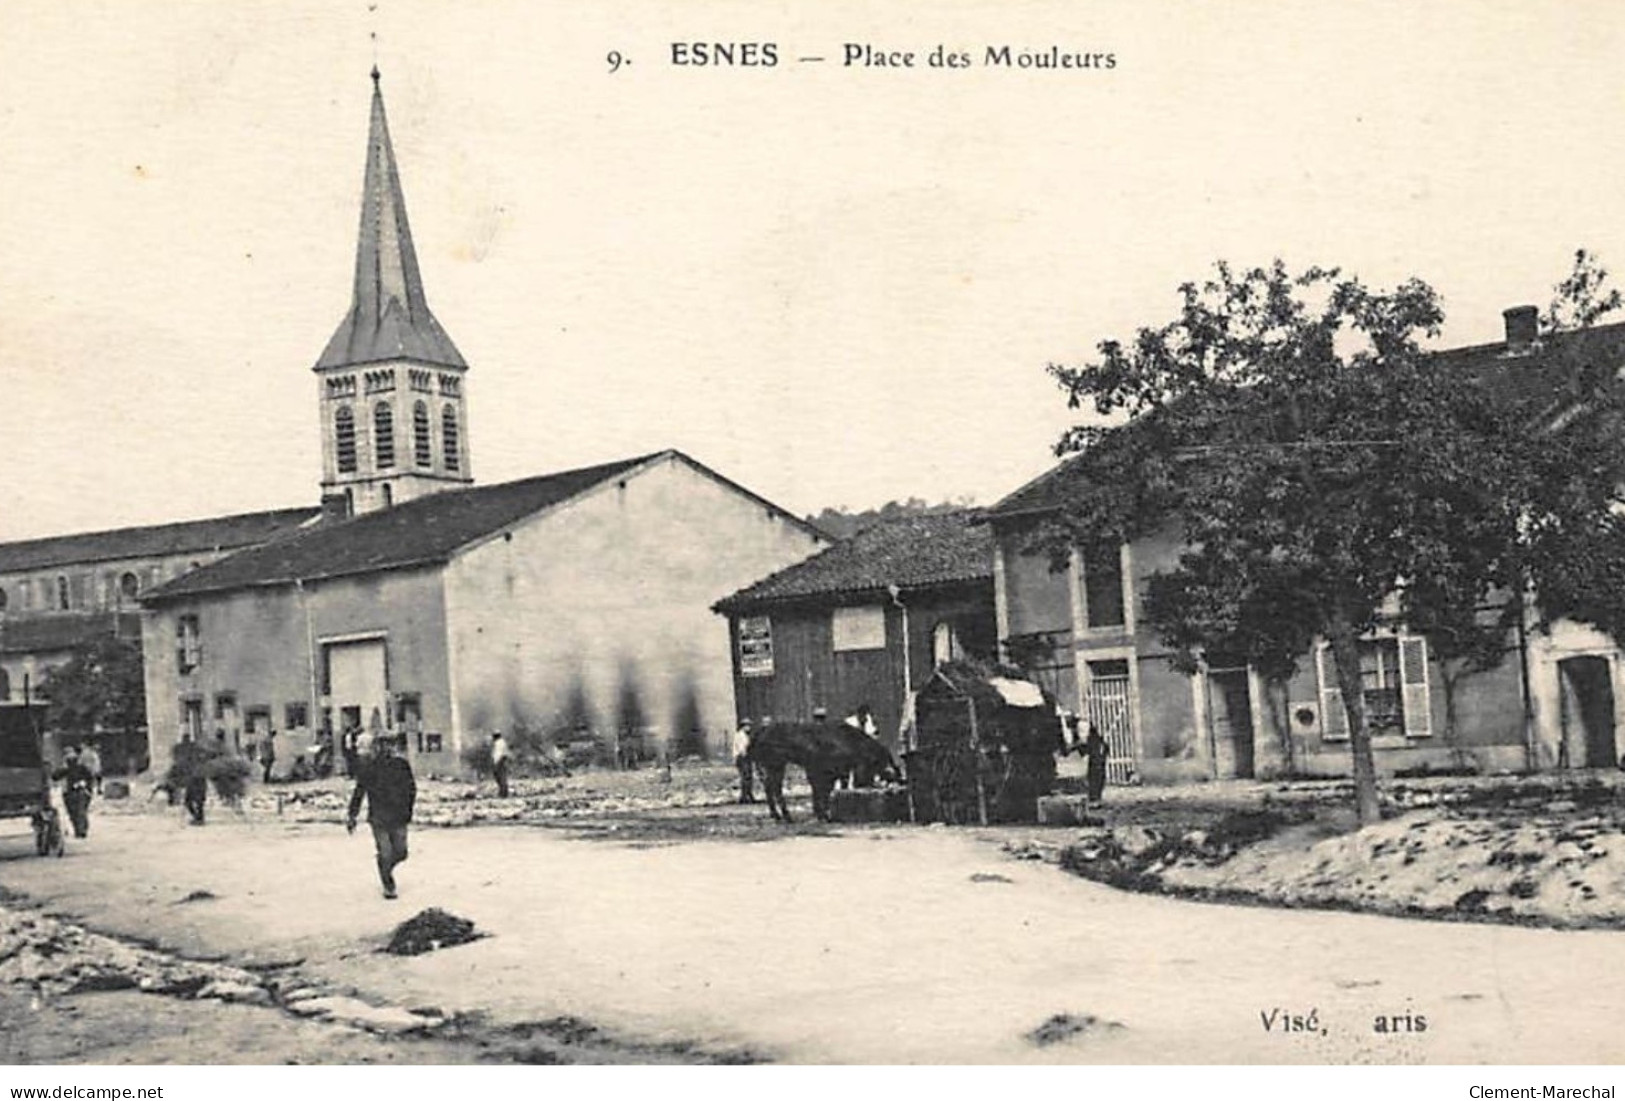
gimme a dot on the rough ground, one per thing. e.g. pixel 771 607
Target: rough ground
pixel 678 927
pixel 1538 850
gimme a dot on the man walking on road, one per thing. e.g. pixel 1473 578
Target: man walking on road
pixel 387 784
pixel 92 760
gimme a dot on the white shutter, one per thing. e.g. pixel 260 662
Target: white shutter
pixel 1334 719
pixel 859 628
pixel 1413 682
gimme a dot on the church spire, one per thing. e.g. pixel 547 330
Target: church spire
pixel 390 385
pixel 389 316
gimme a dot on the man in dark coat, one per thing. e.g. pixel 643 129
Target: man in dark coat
pixel 386 783
pixel 76 786
pixel 268 754
pixel 1095 751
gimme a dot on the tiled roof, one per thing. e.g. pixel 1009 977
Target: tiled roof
pixel 187 537
pixel 389 315
pixel 1532 376
pixel 912 553
pixel 419 532
pixel 1042 494
pixel 44 633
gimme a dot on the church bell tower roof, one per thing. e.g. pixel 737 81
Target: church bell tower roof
pixel 389 316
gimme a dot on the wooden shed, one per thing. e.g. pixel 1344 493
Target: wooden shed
pixel 983 746
pixel 864 622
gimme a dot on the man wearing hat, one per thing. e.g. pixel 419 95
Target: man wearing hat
pixel 741 752
pixel 499 762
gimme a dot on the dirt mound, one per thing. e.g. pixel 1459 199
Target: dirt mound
pixel 430 930
pixel 1065 1026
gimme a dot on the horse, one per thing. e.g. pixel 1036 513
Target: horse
pixel 825 753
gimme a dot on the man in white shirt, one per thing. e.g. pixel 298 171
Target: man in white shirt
pixel 741 751
pixel 92 761
pixel 499 762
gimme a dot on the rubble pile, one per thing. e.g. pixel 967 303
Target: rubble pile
pixel 430 930
pixel 1560 869
pixel 1523 857
pixel 340 1009
pixel 57 957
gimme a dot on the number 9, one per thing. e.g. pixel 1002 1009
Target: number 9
pixel 615 60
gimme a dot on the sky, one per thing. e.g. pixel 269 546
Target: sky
pixel 837 285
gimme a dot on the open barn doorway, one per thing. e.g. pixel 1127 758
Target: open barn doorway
pixel 1230 719
pixel 1589 736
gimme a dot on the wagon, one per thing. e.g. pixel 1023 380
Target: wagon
pixel 983 746
pixel 25 776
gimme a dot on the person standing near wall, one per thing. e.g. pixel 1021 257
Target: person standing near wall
pixel 194 763
pixel 741 750
pixel 1095 751
pixel 499 762
pixel 349 745
pixel 268 754
pixel 387 784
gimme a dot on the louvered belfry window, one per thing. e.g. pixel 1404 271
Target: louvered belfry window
pixel 383 432
pixel 420 435
pixel 344 436
pixel 448 429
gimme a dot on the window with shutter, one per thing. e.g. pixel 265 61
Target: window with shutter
pixel 858 628
pixel 1334 720
pixel 188 648
pixel 1413 667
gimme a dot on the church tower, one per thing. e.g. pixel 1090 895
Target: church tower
pixel 394 422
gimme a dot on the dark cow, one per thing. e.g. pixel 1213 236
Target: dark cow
pixel 825 753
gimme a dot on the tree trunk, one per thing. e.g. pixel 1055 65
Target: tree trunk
pixel 1450 674
pixel 1346 656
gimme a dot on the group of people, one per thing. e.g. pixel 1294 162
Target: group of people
pixel 383 781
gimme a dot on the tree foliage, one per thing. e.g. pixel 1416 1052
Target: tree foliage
pixel 99 688
pixel 1315 461
pixel 843 523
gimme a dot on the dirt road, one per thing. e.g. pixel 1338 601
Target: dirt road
pixel 881 944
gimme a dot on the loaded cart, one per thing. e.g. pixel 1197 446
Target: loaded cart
pixel 25 775
pixel 983 746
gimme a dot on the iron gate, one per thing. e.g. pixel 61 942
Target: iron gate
pixel 1106 708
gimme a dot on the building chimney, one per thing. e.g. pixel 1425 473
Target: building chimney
pixel 1522 327
pixel 335 506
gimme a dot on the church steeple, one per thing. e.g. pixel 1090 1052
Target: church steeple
pixel 394 423
pixel 389 316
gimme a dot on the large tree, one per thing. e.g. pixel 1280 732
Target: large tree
pixel 1319 464
pixel 99 688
